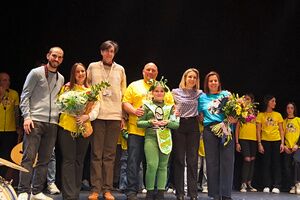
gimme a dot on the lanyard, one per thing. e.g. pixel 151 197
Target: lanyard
pixel 107 75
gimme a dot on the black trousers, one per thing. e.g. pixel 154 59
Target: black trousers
pixel 41 140
pixel 73 151
pixel 271 164
pixel 185 152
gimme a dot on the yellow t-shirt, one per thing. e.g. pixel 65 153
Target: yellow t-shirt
pixel 291 129
pixel 7 110
pixel 123 142
pixel 248 131
pixel 201 151
pixel 66 121
pixel 269 125
pixel 135 93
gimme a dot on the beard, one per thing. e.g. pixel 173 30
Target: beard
pixel 54 64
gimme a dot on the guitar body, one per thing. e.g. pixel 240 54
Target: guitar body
pixel 16 154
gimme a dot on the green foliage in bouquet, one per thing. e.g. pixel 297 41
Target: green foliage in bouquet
pixel 76 103
pixel 93 94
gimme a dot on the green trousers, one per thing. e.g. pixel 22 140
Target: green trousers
pixel 157 164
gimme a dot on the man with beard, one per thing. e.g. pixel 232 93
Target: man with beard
pixel 40 114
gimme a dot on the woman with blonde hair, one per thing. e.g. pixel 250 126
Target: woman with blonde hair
pixel 187 136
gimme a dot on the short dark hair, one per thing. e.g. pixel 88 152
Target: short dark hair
pixel 108 44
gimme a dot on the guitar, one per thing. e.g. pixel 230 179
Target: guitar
pixel 16 154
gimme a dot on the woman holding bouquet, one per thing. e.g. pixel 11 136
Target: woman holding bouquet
pixel 219 157
pixel 73 146
pixel 270 138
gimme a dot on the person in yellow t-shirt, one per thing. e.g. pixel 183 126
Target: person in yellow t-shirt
pixel 9 122
pixel 291 127
pixel 246 143
pixel 202 162
pixel 270 138
pixel 73 149
pixel 120 180
pixel 123 160
pixel 135 93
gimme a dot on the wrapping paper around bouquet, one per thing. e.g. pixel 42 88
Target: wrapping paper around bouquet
pixel 84 130
pixel 88 130
pixel 222 130
pixel 87 127
pixel 89 107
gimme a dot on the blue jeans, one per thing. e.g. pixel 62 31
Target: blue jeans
pixel 123 174
pixel 219 164
pixel 136 155
pixel 51 169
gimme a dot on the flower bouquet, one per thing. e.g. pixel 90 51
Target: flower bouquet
pixel 77 103
pixel 238 108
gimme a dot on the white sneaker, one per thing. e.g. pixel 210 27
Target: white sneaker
pixel 40 196
pixel 297 188
pixel 276 190
pixel 170 190
pixel 251 188
pixel 266 190
pixel 243 187
pixel 204 190
pixel 23 196
pixel 144 191
pixel 52 188
pixel 293 190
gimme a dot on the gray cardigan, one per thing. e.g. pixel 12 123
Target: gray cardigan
pixel 39 95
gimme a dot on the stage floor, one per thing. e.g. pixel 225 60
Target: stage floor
pixel 236 196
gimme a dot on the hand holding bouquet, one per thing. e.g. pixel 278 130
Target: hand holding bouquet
pixel 77 103
pixel 234 107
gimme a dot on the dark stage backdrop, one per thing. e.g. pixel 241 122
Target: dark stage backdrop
pixel 254 45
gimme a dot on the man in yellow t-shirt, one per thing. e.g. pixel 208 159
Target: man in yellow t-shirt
pixel 9 121
pixel 133 98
